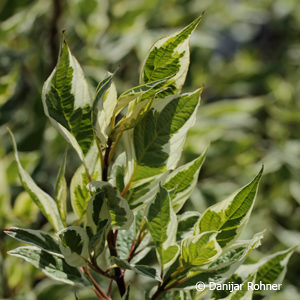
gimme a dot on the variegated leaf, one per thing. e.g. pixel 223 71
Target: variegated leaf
pixel 139 269
pixel 162 224
pixel 186 222
pixel 53 266
pixel 151 88
pixel 230 215
pixel 242 291
pixel 36 238
pixel 169 57
pixel 200 249
pixel 142 194
pixel 105 110
pixel 45 203
pixel 79 192
pixel 270 269
pixel 236 253
pixel 159 137
pixel 124 242
pixel 61 191
pixel 97 213
pixel 224 266
pixel 118 171
pixel 120 213
pixel 139 99
pixel 97 222
pixel 181 182
pixel 74 245
pixel 68 104
pixel 169 255
pixel 165 69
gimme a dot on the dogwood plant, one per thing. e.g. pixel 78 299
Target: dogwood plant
pixel 129 191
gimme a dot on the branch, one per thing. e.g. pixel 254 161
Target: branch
pixel 96 268
pixel 96 285
pixel 111 237
pixel 113 149
pixel 119 276
pixel 98 294
pixel 106 156
pixel 135 244
pixel 163 287
pixel 109 288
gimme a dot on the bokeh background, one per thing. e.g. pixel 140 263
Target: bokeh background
pixel 247 53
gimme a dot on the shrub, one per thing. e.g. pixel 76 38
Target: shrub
pixel 128 193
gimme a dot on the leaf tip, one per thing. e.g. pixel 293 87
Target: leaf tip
pixel 197 20
pixel 6 230
pixel 12 138
pixel 206 149
pixel 260 171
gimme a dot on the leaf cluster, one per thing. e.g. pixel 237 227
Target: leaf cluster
pixel 128 193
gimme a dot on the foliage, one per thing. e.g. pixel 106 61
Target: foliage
pixel 128 193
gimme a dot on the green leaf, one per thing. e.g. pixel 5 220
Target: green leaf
pixel 230 215
pixel 68 104
pixel 97 212
pixel 236 253
pixel 243 292
pixel 182 181
pixel 186 223
pixel 101 90
pixel 169 255
pixel 124 241
pixel 44 202
pixel 161 221
pixel 162 224
pixel 97 241
pixel 120 213
pixel 138 91
pixel 139 269
pixel 270 269
pixel 61 191
pixel 97 222
pixel 169 57
pixel 200 249
pixel 118 171
pixel 37 238
pixel 139 99
pixel 79 192
pixel 133 116
pixel 53 266
pixel 224 266
pixel 105 108
pixel 159 137
pixel 73 245
pixel 142 194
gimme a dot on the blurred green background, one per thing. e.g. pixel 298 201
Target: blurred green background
pixel 247 53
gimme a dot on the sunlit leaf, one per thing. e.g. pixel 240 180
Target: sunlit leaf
pixel 230 215
pixel 53 266
pixel 45 203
